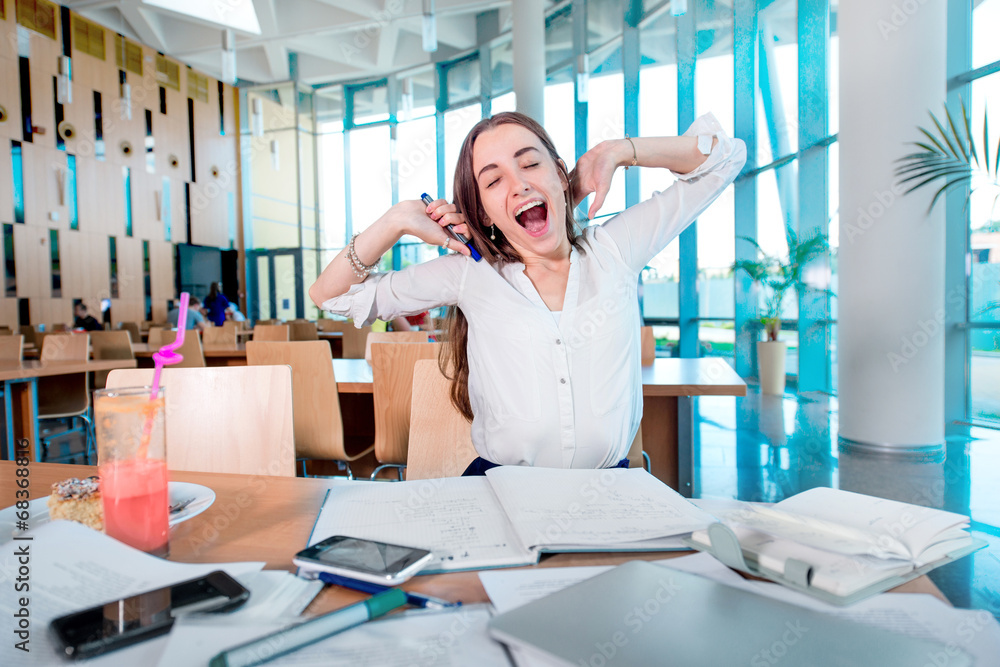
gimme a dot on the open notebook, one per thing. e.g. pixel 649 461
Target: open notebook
pixel 514 513
pixel 837 545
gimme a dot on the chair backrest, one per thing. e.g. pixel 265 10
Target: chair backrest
pixel 12 348
pixel 332 325
pixel 233 419
pixel 29 334
pixel 354 341
pixel 277 332
pixel 635 451
pixel 59 327
pixel 69 394
pixel 155 337
pixel 648 346
pixel 133 331
pixel 392 381
pixel 392 337
pixel 109 345
pixel 219 337
pixel 232 325
pixel 319 425
pixel 440 441
pixel 191 350
pixel 6 331
pixel 302 330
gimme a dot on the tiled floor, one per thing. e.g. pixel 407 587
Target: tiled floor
pixel 766 448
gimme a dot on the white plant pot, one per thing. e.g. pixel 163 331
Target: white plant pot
pixel 771 366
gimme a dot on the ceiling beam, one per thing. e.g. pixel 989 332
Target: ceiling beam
pixel 143 24
pixel 275 53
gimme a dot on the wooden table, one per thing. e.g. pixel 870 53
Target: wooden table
pixel 215 355
pixel 20 391
pixel 668 389
pixel 269 519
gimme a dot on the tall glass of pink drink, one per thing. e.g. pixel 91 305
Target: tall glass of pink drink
pixel 132 463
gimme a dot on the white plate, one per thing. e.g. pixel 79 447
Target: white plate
pixel 38 509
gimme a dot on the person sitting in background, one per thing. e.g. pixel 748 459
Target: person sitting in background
pixel 84 321
pixel 216 304
pixel 195 320
pixel 233 313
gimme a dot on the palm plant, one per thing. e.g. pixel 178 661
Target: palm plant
pixel 777 275
pixel 950 154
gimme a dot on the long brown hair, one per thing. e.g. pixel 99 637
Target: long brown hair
pixel 454 355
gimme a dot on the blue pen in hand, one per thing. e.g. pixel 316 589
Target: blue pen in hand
pixel 415 599
pixel 426 199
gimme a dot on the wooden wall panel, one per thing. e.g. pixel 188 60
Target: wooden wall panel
pixel 98 272
pixel 45 198
pixel 74 259
pixel 130 277
pixel 8 310
pixel 10 86
pixel 145 189
pixel 178 211
pixel 43 65
pixel 31 257
pixel 161 268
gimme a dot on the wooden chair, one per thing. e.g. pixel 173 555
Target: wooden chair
pixel 155 337
pixel 302 330
pixel 231 325
pixel 66 396
pixel 392 337
pixel 109 345
pixel 6 331
pixel 648 346
pixel 354 341
pixel 637 458
pixel 133 331
pixel 29 334
pixel 191 349
pixel 219 337
pixel 319 425
pixel 12 348
pixel 392 381
pixel 332 325
pixel 278 332
pixel 234 419
pixel 440 440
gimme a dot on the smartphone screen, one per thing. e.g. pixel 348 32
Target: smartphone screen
pixel 124 622
pixel 350 553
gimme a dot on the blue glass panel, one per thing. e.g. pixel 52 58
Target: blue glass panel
pixel 74 211
pixel 17 163
pixel 127 181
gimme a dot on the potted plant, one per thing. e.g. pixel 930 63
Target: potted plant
pixel 775 276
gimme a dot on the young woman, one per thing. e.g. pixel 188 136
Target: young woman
pixel 544 336
pixel 216 304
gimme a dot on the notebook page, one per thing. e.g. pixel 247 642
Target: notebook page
pixel 458 519
pixel 592 508
pixel 915 526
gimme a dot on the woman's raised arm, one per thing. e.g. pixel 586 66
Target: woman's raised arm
pixel 406 217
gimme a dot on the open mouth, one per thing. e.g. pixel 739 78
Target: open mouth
pixel 533 217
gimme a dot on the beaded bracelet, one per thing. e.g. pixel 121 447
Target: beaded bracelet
pixel 361 270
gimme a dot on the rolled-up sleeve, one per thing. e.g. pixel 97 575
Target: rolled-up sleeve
pixel 645 229
pixel 385 296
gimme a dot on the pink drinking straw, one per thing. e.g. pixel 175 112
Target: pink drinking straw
pixel 166 356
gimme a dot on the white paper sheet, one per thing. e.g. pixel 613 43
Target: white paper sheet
pixel 452 637
pixel 458 519
pixel 72 567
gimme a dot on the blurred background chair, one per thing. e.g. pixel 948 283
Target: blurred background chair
pixel 65 396
pixel 332 325
pixel 319 425
pixel 234 419
pixel 392 380
pixel 392 337
pixel 440 438
pixel 355 341
pixel 154 337
pixel 302 330
pixel 219 337
pixel 278 332
pixel 11 348
pixel 133 330
pixel 648 346
pixel 191 349
pixel 109 345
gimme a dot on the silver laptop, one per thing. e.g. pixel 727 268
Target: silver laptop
pixel 643 614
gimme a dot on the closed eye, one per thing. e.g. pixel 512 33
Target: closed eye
pixel 492 183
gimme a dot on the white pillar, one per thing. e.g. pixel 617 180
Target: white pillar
pixel 528 42
pixel 891 257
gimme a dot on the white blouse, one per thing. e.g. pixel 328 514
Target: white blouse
pixel 563 393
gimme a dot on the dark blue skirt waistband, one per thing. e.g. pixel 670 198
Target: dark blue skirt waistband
pixel 481 465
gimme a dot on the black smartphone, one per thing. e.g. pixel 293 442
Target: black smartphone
pixel 120 623
pixel 367 560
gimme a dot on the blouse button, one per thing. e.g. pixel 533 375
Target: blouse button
pixel 558 341
pixel 562 380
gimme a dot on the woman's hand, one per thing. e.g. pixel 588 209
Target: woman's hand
pixel 428 222
pixel 595 169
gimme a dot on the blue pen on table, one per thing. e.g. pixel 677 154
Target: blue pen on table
pixel 426 199
pixel 285 641
pixel 415 599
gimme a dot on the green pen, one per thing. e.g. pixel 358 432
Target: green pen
pixel 282 642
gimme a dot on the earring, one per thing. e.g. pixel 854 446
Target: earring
pixel 493 232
